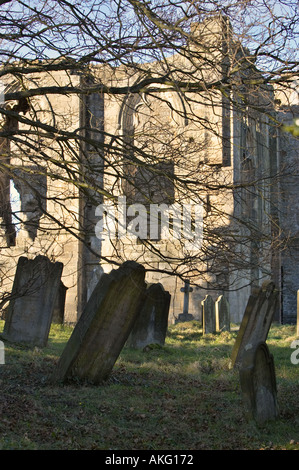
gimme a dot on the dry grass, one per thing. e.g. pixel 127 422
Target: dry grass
pixel 183 396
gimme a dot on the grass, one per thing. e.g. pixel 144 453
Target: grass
pixel 183 396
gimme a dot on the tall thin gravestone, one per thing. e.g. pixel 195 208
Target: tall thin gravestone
pixel 2 353
pixel 256 321
pixel 208 315
pixel 258 384
pixel 104 326
pixel 58 312
pixel 33 299
pixel 151 325
pixel 222 314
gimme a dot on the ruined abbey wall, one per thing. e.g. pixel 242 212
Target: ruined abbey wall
pixel 227 149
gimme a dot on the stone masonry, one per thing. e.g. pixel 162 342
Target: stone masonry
pixel 244 148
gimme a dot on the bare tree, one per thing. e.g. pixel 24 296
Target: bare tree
pixel 193 85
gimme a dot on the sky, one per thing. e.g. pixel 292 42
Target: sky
pixel 270 23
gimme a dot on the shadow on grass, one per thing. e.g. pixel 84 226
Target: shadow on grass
pixel 180 396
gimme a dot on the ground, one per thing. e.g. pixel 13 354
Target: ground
pixel 183 396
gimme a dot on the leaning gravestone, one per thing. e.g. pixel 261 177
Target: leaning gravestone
pixel 151 325
pixel 222 314
pixel 208 315
pixel 258 384
pixel 33 299
pixel 104 326
pixel 256 321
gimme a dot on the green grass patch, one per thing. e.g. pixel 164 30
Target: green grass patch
pixel 183 396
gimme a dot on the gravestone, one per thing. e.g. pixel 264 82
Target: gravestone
pixel 256 321
pixel 104 326
pixel 2 353
pixel 58 312
pixel 258 384
pixel 151 325
pixel 222 314
pixel 208 315
pixel 33 299
pixel 185 316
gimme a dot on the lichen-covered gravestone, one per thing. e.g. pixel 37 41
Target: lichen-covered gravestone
pixel 104 326
pixel 208 315
pixel 33 298
pixel 151 325
pixel 256 321
pixel 258 384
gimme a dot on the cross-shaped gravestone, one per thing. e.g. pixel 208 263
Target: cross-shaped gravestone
pixel 185 316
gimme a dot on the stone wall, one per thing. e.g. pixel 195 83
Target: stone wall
pixel 287 265
pixel 233 147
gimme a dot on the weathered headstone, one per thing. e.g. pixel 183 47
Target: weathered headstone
pixel 58 312
pixel 151 324
pixel 208 315
pixel 258 384
pixel 256 321
pixel 104 326
pixel 33 299
pixel 222 314
pixel 297 312
pixel 2 353
pixel 185 316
